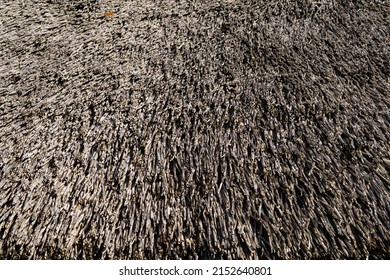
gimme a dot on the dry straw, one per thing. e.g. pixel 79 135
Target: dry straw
pixel 194 129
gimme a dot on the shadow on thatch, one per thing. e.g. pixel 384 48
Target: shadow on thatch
pixel 194 130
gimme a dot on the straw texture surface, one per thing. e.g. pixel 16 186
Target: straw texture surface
pixel 194 129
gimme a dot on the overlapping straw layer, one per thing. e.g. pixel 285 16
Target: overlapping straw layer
pixel 194 129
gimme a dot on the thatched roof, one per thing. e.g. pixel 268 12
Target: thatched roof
pixel 194 129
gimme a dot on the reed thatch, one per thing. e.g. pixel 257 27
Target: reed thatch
pixel 194 129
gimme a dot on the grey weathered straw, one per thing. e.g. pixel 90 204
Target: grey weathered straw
pixel 194 129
